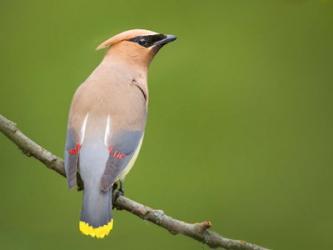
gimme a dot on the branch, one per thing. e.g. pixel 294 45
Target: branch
pixel 197 231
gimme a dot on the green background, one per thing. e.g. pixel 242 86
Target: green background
pixel 240 120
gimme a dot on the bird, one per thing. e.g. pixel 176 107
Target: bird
pixel 106 124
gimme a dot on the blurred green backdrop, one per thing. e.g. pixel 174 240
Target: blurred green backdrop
pixel 239 130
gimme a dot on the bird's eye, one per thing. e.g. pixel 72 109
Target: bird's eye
pixel 142 41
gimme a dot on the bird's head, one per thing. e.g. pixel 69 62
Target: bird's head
pixel 137 46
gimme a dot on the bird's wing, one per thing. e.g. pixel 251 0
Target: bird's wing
pixel 122 147
pixel 71 157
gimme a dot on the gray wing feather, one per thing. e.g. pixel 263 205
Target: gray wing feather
pixel 71 160
pixel 124 143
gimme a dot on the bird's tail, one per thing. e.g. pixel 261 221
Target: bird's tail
pixel 96 218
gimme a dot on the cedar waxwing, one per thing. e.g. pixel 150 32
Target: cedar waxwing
pixel 106 123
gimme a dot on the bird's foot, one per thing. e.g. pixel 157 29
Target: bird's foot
pixel 117 191
pixel 121 188
pixel 114 187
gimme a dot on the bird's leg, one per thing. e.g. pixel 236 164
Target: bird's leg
pixel 117 190
pixel 79 182
pixel 114 187
pixel 121 189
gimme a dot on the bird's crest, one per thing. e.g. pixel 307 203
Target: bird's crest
pixel 126 35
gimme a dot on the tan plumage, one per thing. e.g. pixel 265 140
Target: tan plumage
pixel 106 123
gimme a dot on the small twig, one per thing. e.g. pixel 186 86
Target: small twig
pixel 197 231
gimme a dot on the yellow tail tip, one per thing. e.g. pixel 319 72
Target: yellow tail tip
pixel 98 232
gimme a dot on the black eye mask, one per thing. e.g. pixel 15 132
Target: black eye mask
pixel 147 41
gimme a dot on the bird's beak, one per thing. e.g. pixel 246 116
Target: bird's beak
pixel 167 39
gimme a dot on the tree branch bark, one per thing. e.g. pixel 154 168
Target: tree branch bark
pixel 197 231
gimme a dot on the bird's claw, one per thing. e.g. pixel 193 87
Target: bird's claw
pixel 117 191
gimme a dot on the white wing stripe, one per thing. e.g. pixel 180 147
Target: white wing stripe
pixel 83 128
pixel 107 130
